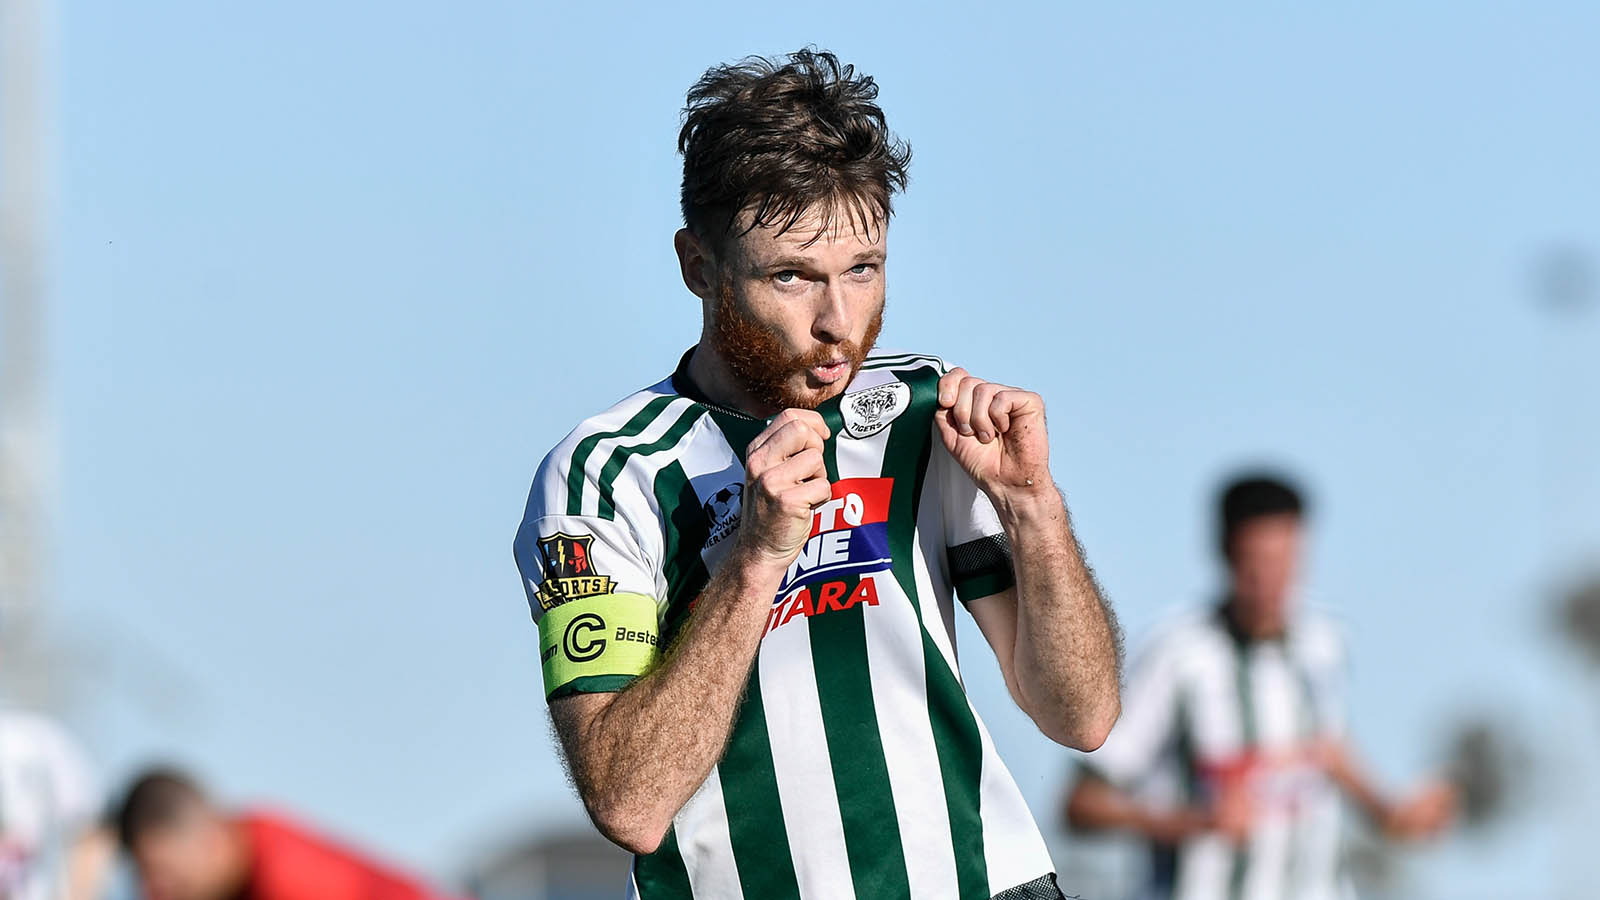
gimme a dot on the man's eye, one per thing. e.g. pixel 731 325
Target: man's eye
pixel 788 276
pixel 861 268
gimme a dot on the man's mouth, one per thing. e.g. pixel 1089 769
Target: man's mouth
pixel 830 371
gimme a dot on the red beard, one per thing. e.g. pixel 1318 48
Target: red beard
pixel 755 355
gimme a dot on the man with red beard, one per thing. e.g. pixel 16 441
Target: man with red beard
pixel 754 679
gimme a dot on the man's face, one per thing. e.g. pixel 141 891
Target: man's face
pixel 186 859
pixel 797 312
pixel 1264 556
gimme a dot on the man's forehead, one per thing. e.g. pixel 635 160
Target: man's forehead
pixel 817 231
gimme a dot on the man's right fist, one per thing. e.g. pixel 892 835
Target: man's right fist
pixel 785 480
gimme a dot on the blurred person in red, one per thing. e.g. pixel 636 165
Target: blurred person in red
pixel 1230 758
pixel 185 847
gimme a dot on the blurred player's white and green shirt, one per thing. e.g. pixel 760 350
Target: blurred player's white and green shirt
pixel 1207 709
pixel 857 766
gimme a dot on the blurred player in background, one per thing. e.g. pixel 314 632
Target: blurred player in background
pixel 1230 756
pixel 185 847
pixel 50 847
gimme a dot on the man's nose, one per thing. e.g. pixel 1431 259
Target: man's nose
pixel 832 324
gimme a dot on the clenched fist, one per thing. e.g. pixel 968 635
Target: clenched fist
pixel 785 480
pixel 997 434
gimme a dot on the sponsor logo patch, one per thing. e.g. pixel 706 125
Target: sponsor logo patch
pixel 870 410
pixel 569 570
pixel 849 537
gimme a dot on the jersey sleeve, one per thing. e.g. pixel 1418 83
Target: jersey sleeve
pixel 1321 661
pixel 1149 724
pixel 977 552
pixel 592 591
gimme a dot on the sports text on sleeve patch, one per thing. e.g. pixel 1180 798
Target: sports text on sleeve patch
pixel 569 573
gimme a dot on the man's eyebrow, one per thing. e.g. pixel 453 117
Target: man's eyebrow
pixel 873 255
pixel 788 262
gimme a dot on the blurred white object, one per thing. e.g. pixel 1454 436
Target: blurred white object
pixel 48 804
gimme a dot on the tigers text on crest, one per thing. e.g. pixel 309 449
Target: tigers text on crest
pixel 870 410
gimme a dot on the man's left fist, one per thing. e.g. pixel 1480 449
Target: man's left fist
pixel 997 434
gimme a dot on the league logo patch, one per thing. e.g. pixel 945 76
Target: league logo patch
pixel 569 570
pixel 870 410
pixel 722 511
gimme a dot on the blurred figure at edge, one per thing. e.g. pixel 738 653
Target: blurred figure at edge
pixel 1230 757
pixel 185 847
pixel 50 848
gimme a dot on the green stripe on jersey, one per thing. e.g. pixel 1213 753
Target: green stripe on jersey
pixel 955 730
pixel 684 532
pixel 850 722
pixel 1247 740
pixel 662 875
pixel 580 454
pixel 621 455
pixel 755 812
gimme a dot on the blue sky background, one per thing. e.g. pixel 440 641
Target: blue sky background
pixel 329 279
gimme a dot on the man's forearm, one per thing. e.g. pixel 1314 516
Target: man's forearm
pixel 1066 655
pixel 640 756
pixel 1095 805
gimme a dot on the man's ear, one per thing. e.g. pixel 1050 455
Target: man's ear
pixel 697 265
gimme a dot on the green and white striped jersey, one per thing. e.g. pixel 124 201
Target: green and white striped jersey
pixel 857 766
pixel 1207 710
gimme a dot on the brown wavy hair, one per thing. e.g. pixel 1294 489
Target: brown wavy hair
pixel 783 137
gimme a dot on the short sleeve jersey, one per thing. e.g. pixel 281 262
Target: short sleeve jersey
pixel 857 767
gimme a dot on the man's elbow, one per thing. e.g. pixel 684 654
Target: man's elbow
pixel 1083 730
pixel 631 826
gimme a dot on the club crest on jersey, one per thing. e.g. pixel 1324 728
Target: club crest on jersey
pixel 569 574
pixel 870 410
pixel 722 512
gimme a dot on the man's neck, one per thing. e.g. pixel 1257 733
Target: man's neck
pixel 711 375
pixel 1251 635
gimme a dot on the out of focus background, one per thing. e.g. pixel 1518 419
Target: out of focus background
pixel 296 296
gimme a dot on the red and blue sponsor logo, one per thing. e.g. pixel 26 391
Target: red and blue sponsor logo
pixel 849 537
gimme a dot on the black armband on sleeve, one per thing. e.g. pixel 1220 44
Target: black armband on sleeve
pixel 981 568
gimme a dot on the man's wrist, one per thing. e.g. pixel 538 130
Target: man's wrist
pixel 1028 506
pixel 755 567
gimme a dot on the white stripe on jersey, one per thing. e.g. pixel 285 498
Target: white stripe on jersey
pixel 1013 849
pixel 802 765
pixel 933 585
pixel 702 829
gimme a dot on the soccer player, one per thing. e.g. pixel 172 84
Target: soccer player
pixel 187 848
pixel 752 670
pixel 1230 757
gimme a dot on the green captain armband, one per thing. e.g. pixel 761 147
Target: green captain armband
pixel 598 644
